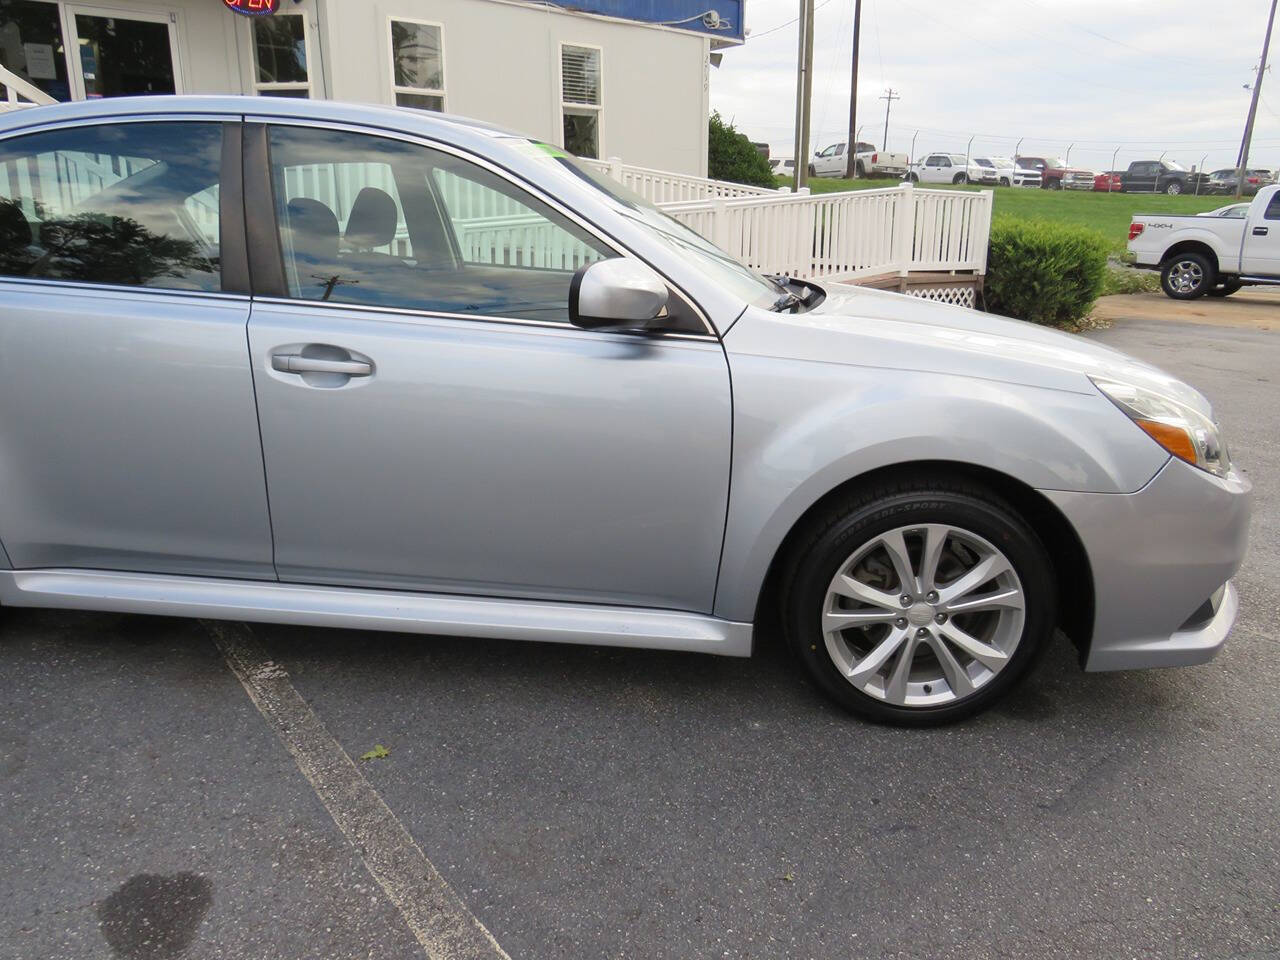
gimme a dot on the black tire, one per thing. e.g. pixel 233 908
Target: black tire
pixel 1226 288
pixel 1004 182
pixel 859 169
pixel 1187 276
pixel 812 172
pixel 1173 188
pixel 1055 184
pixel 913 177
pixel 960 178
pixel 827 542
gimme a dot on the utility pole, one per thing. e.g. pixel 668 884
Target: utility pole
pixel 851 169
pixel 804 94
pixel 1253 106
pixel 890 95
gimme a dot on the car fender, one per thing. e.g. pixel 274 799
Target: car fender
pixel 801 430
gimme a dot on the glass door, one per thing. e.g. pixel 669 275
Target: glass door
pixel 122 53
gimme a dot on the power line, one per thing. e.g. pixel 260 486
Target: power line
pixel 782 26
pixel 1199 63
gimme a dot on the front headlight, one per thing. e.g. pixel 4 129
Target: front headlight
pixel 1184 432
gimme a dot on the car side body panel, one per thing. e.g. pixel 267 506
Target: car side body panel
pixel 133 462
pixel 803 429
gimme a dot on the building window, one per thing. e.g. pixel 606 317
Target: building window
pixel 280 56
pixel 31 46
pixel 417 64
pixel 580 101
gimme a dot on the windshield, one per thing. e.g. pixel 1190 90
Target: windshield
pixel 983 162
pixel 1174 165
pixel 681 240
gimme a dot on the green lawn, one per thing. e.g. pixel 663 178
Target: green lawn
pixel 1109 214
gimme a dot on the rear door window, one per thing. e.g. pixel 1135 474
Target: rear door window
pixel 131 204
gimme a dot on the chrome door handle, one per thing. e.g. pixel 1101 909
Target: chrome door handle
pixel 1259 231
pixel 294 363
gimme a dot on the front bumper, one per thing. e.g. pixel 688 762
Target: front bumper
pixel 1161 560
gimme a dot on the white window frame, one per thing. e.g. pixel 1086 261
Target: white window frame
pixel 391 65
pixel 261 89
pixel 566 105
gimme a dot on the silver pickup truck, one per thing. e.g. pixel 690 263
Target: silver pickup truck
pixel 1214 253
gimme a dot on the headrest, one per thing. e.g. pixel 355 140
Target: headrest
pixel 314 230
pixel 15 230
pixel 373 220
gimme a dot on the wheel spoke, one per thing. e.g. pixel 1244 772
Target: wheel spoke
pixel 853 589
pixel 990 657
pixel 870 665
pixel 844 619
pixel 895 689
pixel 896 546
pixel 935 540
pixel 1010 599
pixel 956 676
pixel 985 569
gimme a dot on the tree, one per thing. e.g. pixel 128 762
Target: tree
pixel 731 156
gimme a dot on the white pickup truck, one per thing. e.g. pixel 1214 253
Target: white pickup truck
pixel 834 162
pixel 1216 252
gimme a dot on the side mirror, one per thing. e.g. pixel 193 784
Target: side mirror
pixel 619 292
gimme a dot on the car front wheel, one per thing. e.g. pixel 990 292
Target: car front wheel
pixel 1174 188
pixel 960 178
pixel 919 603
pixel 1187 276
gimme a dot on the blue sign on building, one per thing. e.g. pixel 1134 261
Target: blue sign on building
pixel 719 19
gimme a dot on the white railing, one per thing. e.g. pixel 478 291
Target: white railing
pixel 659 186
pixel 522 240
pixel 850 235
pixel 16 92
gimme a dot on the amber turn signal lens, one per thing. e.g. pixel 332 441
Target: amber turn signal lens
pixel 1174 439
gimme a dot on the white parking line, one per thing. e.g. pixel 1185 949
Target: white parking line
pixel 438 918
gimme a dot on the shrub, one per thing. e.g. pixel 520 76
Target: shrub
pixel 1045 272
pixel 730 156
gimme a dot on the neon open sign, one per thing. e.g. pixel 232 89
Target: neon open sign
pixel 253 8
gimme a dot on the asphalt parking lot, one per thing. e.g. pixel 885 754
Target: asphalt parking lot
pixel 583 802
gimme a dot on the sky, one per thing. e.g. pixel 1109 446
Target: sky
pixel 1144 76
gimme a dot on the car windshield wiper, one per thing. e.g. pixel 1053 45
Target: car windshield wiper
pixel 787 301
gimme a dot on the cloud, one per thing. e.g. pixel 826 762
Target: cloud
pixel 1144 76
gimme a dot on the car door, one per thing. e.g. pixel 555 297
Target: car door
pixel 837 164
pixel 432 421
pixel 1261 253
pixel 129 437
pixel 1144 177
pixel 823 162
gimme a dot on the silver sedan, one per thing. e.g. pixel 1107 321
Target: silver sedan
pixel 345 366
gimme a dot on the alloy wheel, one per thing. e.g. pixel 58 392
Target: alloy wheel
pixel 924 615
pixel 1186 276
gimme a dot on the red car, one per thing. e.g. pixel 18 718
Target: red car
pixel 1108 182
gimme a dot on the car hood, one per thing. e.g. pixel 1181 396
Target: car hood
pixel 859 326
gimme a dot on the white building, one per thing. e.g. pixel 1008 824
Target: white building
pixel 624 78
